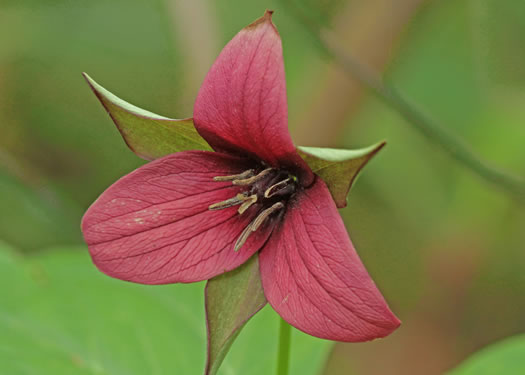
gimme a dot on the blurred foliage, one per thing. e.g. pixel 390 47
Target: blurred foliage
pixel 505 357
pixel 62 316
pixel 446 250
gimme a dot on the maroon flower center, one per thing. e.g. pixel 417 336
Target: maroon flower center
pixel 270 189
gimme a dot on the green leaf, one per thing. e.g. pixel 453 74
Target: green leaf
pixel 338 168
pixel 231 300
pixel 504 357
pixel 61 316
pixel 148 135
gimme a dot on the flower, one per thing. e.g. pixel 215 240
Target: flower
pixel 193 215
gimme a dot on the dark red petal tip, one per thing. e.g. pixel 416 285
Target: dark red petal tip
pixel 267 17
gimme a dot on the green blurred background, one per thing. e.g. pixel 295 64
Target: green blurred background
pixel 446 249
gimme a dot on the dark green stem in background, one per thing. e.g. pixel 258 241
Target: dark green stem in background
pixel 283 355
pixel 432 131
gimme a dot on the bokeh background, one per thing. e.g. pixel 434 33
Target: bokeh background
pixel 446 249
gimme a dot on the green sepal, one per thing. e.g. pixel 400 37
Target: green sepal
pixel 147 134
pixel 152 136
pixel 338 168
pixel 231 299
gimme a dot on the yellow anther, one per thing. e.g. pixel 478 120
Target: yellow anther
pixel 253 179
pixel 238 199
pixel 264 215
pixel 248 201
pixel 276 187
pixel 255 224
pixel 233 177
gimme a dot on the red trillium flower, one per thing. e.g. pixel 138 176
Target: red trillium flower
pixel 193 215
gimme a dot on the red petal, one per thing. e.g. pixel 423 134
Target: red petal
pixel 314 279
pixel 241 107
pixel 153 226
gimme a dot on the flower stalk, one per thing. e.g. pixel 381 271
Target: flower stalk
pixel 283 355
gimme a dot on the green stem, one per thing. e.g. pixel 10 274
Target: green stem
pixel 430 129
pixel 283 356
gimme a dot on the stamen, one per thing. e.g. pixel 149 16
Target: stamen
pixel 253 179
pixel 255 224
pixel 243 237
pixel 247 203
pixel 264 215
pixel 238 199
pixel 233 177
pixel 272 190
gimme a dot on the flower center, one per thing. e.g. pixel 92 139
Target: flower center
pixel 270 188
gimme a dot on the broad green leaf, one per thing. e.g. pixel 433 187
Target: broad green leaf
pixel 504 357
pixel 60 315
pixel 338 168
pixel 148 135
pixel 231 300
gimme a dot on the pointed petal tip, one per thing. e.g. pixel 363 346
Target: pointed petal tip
pixel 266 18
pixel 387 331
pixel 397 324
pixel 268 14
pixel 382 328
pixel 381 333
pixel 391 325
